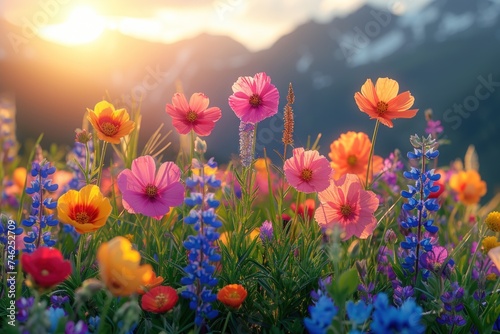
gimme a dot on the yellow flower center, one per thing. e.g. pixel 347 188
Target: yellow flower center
pixel 255 100
pixel 234 295
pixel 346 211
pixel 45 272
pixel 306 175
pixel 490 243
pixel 160 300
pixel 382 107
pixel 151 191
pixel 191 116
pixel 109 129
pixel 491 277
pixel 351 160
pixel 493 221
pixel 82 218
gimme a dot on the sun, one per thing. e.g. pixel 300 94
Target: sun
pixel 82 26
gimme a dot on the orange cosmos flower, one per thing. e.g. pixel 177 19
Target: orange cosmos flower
pixel 350 153
pixel 120 269
pixel 160 299
pixel 469 186
pixel 232 295
pixel 152 282
pixel 87 210
pixel 382 101
pixel 111 125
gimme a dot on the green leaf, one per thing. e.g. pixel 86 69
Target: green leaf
pixel 348 282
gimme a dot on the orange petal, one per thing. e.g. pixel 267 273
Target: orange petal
pixel 368 91
pixel 402 102
pixel 365 105
pixel 387 89
pixel 401 114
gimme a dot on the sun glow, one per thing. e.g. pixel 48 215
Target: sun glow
pixel 82 26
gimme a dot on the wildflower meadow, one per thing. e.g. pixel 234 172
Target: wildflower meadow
pixel 112 237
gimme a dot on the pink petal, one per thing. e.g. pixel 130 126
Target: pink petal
pixel 182 126
pixel 198 102
pixel 168 173
pixel 144 169
pixel 173 195
pixel 179 101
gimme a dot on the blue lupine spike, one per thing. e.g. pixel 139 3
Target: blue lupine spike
pixel 202 247
pixel 432 154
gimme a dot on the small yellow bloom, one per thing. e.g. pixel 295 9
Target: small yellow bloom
pixel 87 210
pixel 120 269
pixel 490 243
pixel 111 125
pixel 493 221
pixel 491 277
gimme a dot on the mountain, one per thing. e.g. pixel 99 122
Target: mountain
pixel 442 54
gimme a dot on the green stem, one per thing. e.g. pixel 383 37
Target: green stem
pixel 226 322
pixel 79 256
pixel 370 157
pixel 88 168
pixel 104 313
pixel 101 162
pixel 192 148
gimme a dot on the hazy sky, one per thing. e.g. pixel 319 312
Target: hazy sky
pixel 255 23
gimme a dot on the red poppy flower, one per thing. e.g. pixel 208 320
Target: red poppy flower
pixel 46 266
pixel 159 299
pixel 308 207
pixel 232 295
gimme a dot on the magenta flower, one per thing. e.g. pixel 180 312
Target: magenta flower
pixel 254 99
pixel 345 203
pixel 149 193
pixel 307 171
pixel 194 115
pixel 433 259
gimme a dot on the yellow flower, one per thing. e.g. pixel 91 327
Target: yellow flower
pixel 490 243
pixel 87 210
pixel 469 186
pixel 111 125
pixel 493 221
pixel 120 269
pixel 491 277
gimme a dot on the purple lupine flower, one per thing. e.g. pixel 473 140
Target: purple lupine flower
pixel 266 232
pixel 453 305
pixel 402 294
pixel 23 306
pixel 58 301
pixel 246 143
pixel 79 328
pixel 323 284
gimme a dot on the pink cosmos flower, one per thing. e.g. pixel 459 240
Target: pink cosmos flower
pixel 254 99
pixel 149 194
pixel 347 204
pixel 307 171
pixel 193 115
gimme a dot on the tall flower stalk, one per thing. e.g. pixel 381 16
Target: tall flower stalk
pixel 39 191
pixel 419 203
pixel 199 279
